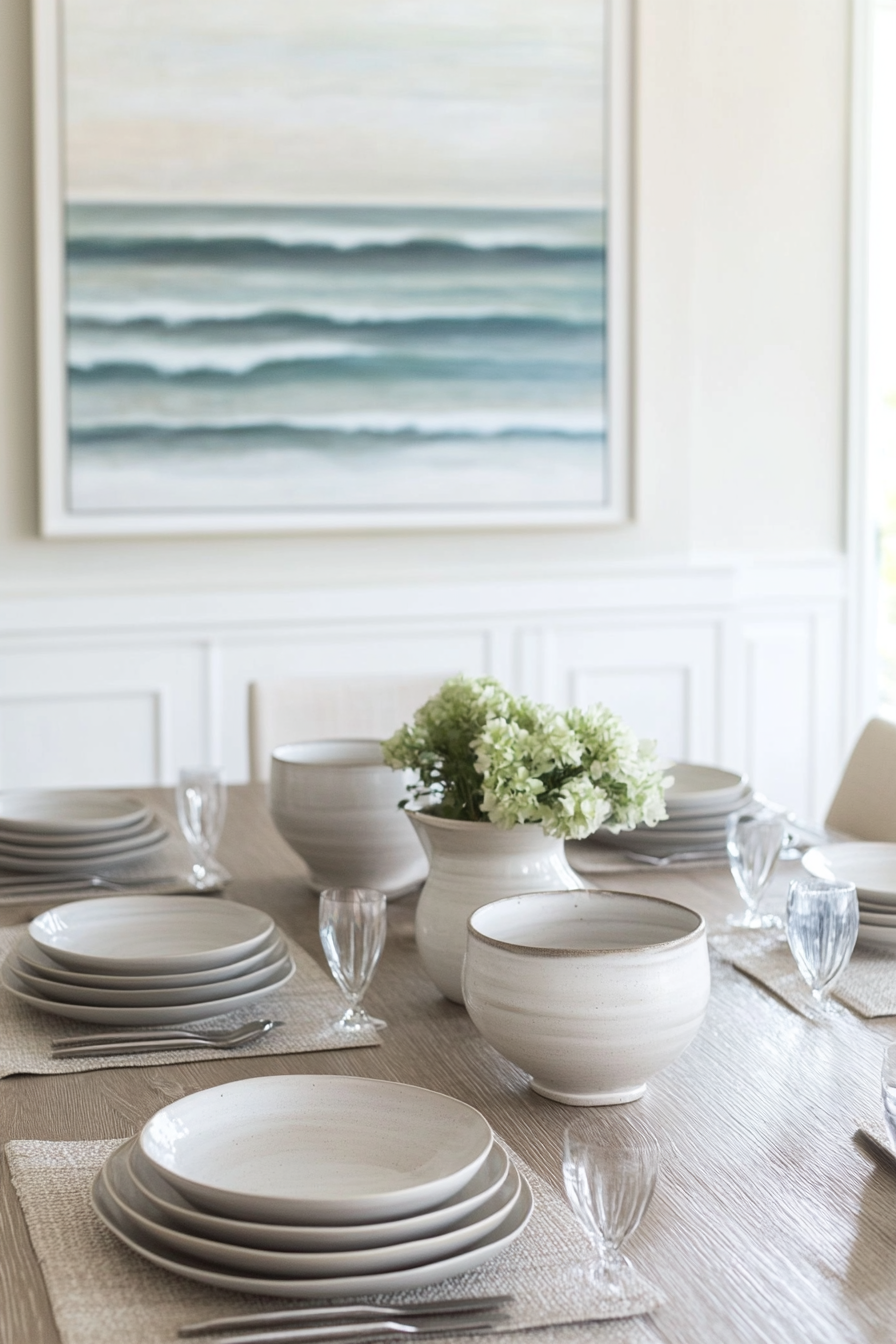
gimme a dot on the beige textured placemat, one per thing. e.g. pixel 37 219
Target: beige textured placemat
pixel 868 985
pixel 873 1134
pixel 104 1293
pixel 308 1005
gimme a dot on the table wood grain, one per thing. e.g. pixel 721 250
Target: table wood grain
pixel 769 1223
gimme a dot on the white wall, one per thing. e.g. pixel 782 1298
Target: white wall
pixel 741 130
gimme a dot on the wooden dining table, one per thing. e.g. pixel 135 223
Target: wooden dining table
pixel 769 1223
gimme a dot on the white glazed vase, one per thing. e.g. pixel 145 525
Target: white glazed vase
pixel 470 864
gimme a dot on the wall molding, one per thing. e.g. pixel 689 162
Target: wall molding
pixel 737 663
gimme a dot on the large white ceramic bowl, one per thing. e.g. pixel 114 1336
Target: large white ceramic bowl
pixel 337 804
pixel 591 992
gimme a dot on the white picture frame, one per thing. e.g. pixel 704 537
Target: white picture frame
pixel 58 516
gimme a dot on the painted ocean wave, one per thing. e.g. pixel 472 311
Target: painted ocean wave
pixel 237 348
pixel 419 325
pixel 258 363
pixel 479 424
pixel 339 229
pixel 427 252
pixel 166 311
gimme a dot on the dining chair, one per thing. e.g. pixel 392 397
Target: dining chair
pixel 305 708
pixel 865 802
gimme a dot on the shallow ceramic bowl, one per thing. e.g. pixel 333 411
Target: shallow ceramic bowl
pixel 311 1148
pixel 590 992
pixel 337 804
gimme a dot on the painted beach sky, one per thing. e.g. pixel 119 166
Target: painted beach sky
pixel 351 258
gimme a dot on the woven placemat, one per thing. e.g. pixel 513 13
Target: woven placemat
pixel 308 1006
pixel 104 1293
pixel 872 1136
pixel 867 986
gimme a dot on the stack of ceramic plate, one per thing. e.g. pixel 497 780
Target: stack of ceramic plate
pixel 147 960
pixel 315 1186
pixel 871 866
pixel 699 804
pixel 48 832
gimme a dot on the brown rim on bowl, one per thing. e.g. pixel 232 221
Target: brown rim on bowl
pixel 586 951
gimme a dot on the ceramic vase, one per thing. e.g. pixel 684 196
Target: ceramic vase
pixel 470 864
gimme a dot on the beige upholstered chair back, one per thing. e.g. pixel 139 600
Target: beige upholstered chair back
pixel 865 802
pixel 305 708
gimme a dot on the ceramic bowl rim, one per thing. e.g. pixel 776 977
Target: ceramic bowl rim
pixel 427 815
pixel 527 951
pixel 331 742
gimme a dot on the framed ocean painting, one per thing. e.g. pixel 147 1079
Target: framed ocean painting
pixel 351 265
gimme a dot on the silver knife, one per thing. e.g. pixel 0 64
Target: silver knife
pixel 350 1331
pixel 354 1312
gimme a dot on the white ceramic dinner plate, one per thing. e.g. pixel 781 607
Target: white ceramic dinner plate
pixel 703 786
pixel 140 1017
pixel 655 842
pixel 149 935
pixel 872 935
pixel 286 1237
pixel 14 864
pixel 58 812
pixel 675 834
pixel 307 1264
pixel 872 917
pixel 38 962
pixel 309 1148
pixel 703 825
pixel 52 840
pixel 881 909
pixel 718 813
pixel 871 865
pixel 112 848
pixel 124 1226
pixel 277 963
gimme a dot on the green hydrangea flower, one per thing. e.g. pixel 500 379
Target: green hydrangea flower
pixel 481 754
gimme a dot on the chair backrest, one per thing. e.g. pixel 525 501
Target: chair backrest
pixel 865 803
pixel 306 708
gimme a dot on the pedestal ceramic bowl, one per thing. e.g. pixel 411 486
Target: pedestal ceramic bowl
pixel 337 804
pixel 590 992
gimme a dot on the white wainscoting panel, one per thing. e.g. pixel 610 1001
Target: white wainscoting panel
pixel 77 741
pixel 661 679
pixel 740 665
pixel 89 710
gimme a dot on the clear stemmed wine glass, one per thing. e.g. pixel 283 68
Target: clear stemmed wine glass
pixel 609 1184
pixel 888 1091
pixel 754 839
pixel 822 927
pixel 201 805
pixel 353 932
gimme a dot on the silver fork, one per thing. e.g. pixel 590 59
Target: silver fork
pixel 349 1332
pixel 357 1316
pixel 354 1313
pixel 126 1042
